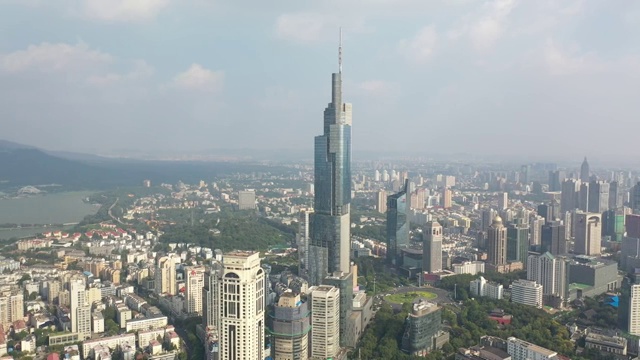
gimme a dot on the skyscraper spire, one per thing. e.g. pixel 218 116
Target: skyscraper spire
pixel 340 52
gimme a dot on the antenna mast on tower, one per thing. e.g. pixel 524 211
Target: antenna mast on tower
pixel 340 52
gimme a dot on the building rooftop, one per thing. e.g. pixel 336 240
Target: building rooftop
pixel 532 347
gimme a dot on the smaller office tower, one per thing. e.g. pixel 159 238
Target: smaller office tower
pixel 432 247
pixel 554 239
pixel 290 328
pixel 193 289
pixel 324 301
pixel 423 329
pixel 517 243
pixel 588 233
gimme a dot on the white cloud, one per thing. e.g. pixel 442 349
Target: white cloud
pixel 199 78
pixel 566 61
pixel 377 88
pixel 421 47
pixel 47 57
pixel 123 10
pixel 301 27
pixel 487 31
pixel 141 69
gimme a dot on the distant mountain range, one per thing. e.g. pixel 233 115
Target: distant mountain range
pixel 22 165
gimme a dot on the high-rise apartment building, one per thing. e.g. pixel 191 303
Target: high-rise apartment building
pixel 247 200
pixel 588 233
pixel 194 282
pixel 432 247
pixel 241 306
pixel 397 225
pixel 53 291
pixel 331 225
pixel 11 306
pixel 80 309
pixel 497 242
pixel 165 275
pixel 503 201
pixel 290 328
pixel 526 292
pixel 211 295
pixel 447 200
pixel 480 287
pixel 381 200
pixel 585 173
pixel 324 301
pixel 629 313
pixel 549 211
pixel 550 272
pixel 535 230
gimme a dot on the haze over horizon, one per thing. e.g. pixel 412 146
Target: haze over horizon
pixel 537 79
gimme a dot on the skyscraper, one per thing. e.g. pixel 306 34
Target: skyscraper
pixel 211 295
pixel 598 196
pixel 585 174
pixel 447 202
pixel 497 242
pixel 330 225
pixel 165 277
pixel 80 309
pixel 629 313
pixel 193 290
pixel 303 240
pixel 397 224
pixel 432 247
pixel 569 196
pixel 241 306
pixel 588 233
pixel 517 243
pixel 503 201
pixel 381 201
pixel 554 239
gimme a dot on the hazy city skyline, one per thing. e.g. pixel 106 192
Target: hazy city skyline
pixel 540 78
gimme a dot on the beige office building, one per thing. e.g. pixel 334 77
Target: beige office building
pixel 325 321
pixel 588 233
pixel 242 306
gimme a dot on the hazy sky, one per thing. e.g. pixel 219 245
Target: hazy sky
pixel 489 77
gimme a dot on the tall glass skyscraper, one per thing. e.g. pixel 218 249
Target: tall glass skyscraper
pixel 397 225
pixel 330 225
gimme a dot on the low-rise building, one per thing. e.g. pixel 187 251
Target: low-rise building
pixel 480 287
pixel 605 341
pixel 523 350
pixel 145 323
pixel 110 342
pixel 526 292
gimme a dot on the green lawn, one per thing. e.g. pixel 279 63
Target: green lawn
pixel 409 297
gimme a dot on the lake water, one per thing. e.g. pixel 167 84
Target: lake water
pixel 57 208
